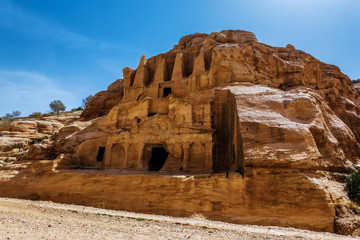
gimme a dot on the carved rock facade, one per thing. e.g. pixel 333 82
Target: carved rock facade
pixel 238 130
pixel 221 102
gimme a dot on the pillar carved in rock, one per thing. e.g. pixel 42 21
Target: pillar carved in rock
pixel 179 68
pixel 142 73
pixel 185 159
pixel 209 155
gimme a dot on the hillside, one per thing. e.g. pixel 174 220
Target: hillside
pixel 17 135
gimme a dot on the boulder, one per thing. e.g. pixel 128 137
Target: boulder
pixel 21 126
pixel 69 130
pixel 357 87
pixel 48 127
pixel 40 151
pixel 8 143
pixel 102 102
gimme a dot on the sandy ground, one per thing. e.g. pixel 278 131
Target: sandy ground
pixel 24 219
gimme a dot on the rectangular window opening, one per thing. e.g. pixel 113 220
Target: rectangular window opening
pixel 100 156
pixel 166 91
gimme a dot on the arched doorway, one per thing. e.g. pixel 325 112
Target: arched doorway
pixel 158 158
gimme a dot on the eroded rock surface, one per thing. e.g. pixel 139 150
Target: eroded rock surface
pixel 357 87
pixel 101 103
pixel 284 126
pixel 31 138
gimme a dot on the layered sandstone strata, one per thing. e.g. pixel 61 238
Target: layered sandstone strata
pixel 276 126
pixel 198 104
pixel 32 137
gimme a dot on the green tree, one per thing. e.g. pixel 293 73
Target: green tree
pixel 8 115
pixel 57 106
pixel 85 100
pixel 16 113
pixel 353 185
pixel 77 109
pixel 35 114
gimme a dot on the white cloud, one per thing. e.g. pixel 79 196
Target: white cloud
pixel 31 92
pixel 20 20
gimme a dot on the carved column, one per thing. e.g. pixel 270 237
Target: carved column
pixel 127 73
pixel 127 76
pixel 179 68
pixel 125 160
pixel 140 162
pixel 209 157
pixel 142 73
pixel 185 160
pixel 161 74
pixel 107 157
pixel 199 63
pixel 207 115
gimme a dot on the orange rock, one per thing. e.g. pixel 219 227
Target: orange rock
pixel 40 151
pixel 263 197
pixel 295 119
pixel 217 104
pixel 101 103
pixel 357 87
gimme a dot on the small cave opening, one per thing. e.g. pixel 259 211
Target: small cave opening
pixel 158 158
pixel 166 91
pixel 100 155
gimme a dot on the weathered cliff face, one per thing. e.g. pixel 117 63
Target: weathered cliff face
pixel 357 87
pixel 302 102
pixel 282 123
pixel 101 103
pixel 236 56
pixel 31 138
pixel 20 136
pixel 292 129
pixel 262 197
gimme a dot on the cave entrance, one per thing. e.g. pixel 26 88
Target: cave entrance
pixel 100 155
pixel 166 91
pixel 158 158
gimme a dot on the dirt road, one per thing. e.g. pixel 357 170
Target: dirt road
pixel 23 219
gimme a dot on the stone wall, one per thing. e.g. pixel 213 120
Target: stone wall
pixel 280 197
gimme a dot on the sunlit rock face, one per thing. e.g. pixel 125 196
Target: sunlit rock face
pixel 222 102
pixel 357 87
pixel 222 126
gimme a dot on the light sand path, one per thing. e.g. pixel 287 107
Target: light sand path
pixel 24 219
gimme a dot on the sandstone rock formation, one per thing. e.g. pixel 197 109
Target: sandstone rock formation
pixel 220 102
pixel 101 103
pixel 266 134
pixel 25 136
pixel 357 87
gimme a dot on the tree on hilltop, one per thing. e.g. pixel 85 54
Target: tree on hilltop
pixel 85 100
pixel 35 114
pixel 16 113
pixel 8 115
pixel 57 106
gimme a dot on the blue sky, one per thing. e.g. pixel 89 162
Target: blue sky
pixel 67 50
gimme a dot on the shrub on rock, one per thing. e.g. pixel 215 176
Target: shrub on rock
pixel 353 185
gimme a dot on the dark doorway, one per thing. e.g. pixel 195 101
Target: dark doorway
pixel 166 91
pixel 100 156
pixel 158 158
